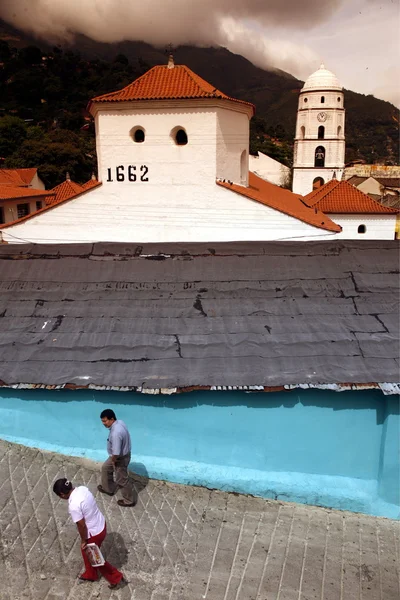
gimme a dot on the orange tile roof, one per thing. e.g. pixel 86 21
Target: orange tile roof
pixel 19 177
pixel 284 201
pixel 13 192
pixel 164 83
pixel 61 192
pixel 64 191
pixel 343 197
pixel 89 184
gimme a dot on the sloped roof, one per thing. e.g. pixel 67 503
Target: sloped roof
pixel 17 177
pixel 283 200
pixel 61 193
pixel 64 191
pixel 342 197
pixel 12 192
pixel 389 181
pixel 356 180
pixel 178 316
pixel 164 83
pixel 89 184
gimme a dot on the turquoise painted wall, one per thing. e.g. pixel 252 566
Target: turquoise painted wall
pixel 316 447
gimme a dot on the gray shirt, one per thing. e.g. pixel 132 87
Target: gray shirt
pixel 119 440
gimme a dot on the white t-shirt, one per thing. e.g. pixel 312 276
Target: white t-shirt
pixel 82 505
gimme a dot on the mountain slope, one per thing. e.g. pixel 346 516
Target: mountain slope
pixel 371 124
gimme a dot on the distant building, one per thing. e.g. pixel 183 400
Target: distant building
pixel 359 215
pixel 18 202
pixel 269 169
pixel 319 148
pixel 21 178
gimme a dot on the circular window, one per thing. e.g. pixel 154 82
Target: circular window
pixel 179 136
pixel 138 135
pixel 338 99
pixel 305 99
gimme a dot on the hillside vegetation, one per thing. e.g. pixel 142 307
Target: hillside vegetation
pixel 44 93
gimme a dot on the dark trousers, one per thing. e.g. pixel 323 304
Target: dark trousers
pixel 122 480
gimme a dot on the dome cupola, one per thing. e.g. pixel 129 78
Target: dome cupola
pixel 322 79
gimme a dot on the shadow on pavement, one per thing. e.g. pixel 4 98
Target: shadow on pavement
pixel 114 549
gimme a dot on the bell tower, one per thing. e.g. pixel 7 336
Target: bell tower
pixel 319 143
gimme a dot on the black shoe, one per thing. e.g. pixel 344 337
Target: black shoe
pixel 103 491
pixel 117 586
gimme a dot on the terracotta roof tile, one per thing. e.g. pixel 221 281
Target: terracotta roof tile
pixel 89 184
pixel 284 201
pixel 65 190
pixel 164 83
pixel 13 192
pixel 61 193
pixel 18 177
pixel 342 197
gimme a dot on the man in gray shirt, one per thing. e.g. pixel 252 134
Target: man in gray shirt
pixel 119 456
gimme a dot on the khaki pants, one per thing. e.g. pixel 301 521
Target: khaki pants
pixel 122 479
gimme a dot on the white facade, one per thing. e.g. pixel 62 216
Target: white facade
pixel 269 169
pixel 366 227
pixel 218 141
pixel 147 212
pixel 319 149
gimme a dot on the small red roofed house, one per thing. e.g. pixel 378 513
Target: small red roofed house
pixel 359 215
pixel 18 202
pixel 21 178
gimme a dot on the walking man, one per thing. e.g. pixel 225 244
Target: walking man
pixel 119 456
pixel 91 526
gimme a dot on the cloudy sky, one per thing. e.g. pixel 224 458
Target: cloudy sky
pixel 357 39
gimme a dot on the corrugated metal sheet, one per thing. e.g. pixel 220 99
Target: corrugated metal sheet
pixel 177 317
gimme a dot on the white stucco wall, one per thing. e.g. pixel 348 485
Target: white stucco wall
pixel 269 169
pixel 10 208
pixel 378 227
pixel 217 133
pixel 142 212
pixel 303 178
pixel 37 183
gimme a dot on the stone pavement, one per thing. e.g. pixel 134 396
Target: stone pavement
pixel 186 543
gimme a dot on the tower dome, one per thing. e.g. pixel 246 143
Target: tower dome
pixel 322 79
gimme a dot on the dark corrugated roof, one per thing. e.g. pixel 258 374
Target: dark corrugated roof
pixel 181 315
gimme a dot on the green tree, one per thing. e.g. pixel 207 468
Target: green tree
pixel 12 135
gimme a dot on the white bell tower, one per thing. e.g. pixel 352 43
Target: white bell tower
pixel 319 143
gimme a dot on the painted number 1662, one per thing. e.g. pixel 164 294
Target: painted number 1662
pixel 131 173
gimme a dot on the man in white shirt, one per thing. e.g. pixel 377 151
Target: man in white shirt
pixel 92 528
pixel 119 456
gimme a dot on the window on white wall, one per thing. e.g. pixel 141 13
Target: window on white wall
pixel 243 168
pixel 22 210
pixel 362 229
pixel 322 99
pixel 138 135
pixel 318 181
pixel 321 132
pixel 179 136
pixel 319 159
pixel 302 132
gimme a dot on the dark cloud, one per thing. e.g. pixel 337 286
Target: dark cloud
pixel 157 21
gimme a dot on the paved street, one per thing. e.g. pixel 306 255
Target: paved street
pixel 186 543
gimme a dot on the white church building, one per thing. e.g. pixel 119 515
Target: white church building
pixel 319 149
pixel 173 166
pixel 173 162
